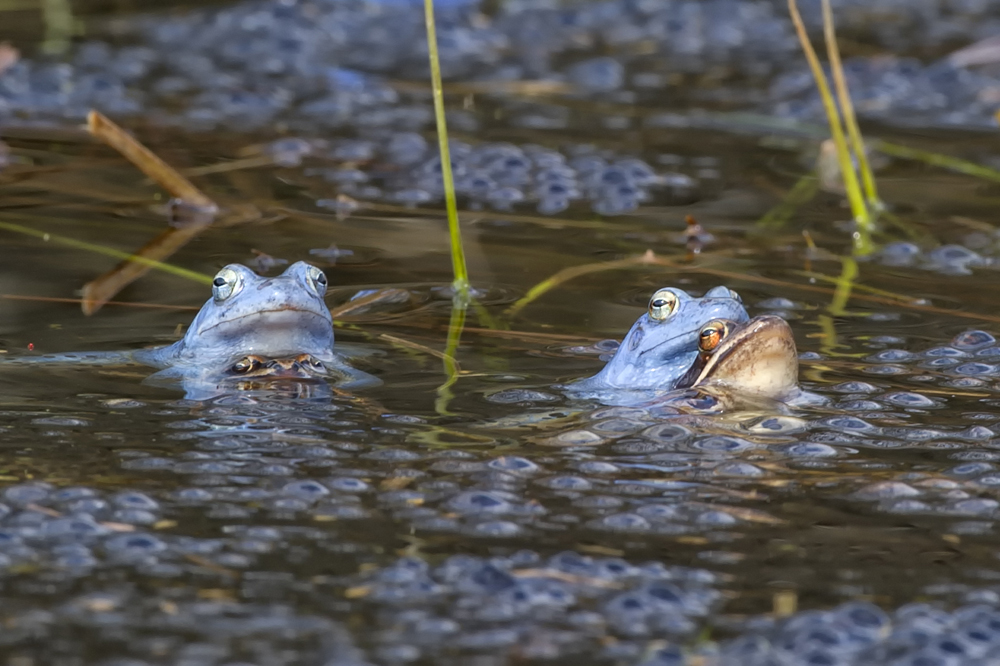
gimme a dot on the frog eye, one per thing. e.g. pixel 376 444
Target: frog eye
pixel 227 283
pixel 662 305
pixel 246 365
pixel 308 361
pixel 711 335
pixel 317 279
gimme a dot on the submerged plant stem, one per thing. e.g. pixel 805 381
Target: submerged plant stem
pixel 461 283
pixel 451 369
pixel 828 330
pixel 845 284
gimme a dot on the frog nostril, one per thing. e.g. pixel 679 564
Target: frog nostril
pixel 635 339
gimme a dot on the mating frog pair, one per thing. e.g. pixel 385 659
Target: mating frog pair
pixel 710 342
pixel 254 328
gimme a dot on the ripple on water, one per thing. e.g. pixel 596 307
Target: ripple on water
pixel 517 396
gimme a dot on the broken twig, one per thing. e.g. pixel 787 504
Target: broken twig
pixel 143 158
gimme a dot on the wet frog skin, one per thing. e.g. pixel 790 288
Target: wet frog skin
pixel 253 327
pixel 251 315
pixel 757 358
pixel 741 368
pixel 663 343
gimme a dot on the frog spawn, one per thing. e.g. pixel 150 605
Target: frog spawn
pixel 281 477
pixel 857 633
pixel 532 607
pixel 647 474
pixel 497 176
pixel 321 67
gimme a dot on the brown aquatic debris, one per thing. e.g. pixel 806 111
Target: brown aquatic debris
pixel 99 291
pixel 381 296
pixel 984 52
pixel 146 161
pixel 695 236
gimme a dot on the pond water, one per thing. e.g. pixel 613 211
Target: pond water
pixel 487 518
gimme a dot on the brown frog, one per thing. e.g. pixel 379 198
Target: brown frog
pixel 755 359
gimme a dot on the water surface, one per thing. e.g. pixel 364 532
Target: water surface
pixel 494 520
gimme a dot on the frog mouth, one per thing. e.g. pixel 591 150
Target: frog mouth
pixel 274 332
pixel 284 316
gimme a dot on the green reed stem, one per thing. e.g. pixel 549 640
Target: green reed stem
pixel 58 18
pixel 455 326
pixel 938 159
pixel 862 217
pixel 861 288
pixel 847 108
pixel 108 251
pixel 570 273
pixel 461 283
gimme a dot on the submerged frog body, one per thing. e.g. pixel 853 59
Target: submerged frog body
pixel 253 328
pixel 753 359
pixel 662 344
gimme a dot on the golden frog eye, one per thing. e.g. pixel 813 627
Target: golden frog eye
pixel 662 305
pixel 227 283
pixel 711 335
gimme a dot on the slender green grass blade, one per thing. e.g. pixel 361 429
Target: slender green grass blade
pixel 801 193
pixel 107 251
pixel 862 217
pixel 938 159
pixel 847 108
pixel 570 273
pixel 461 283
